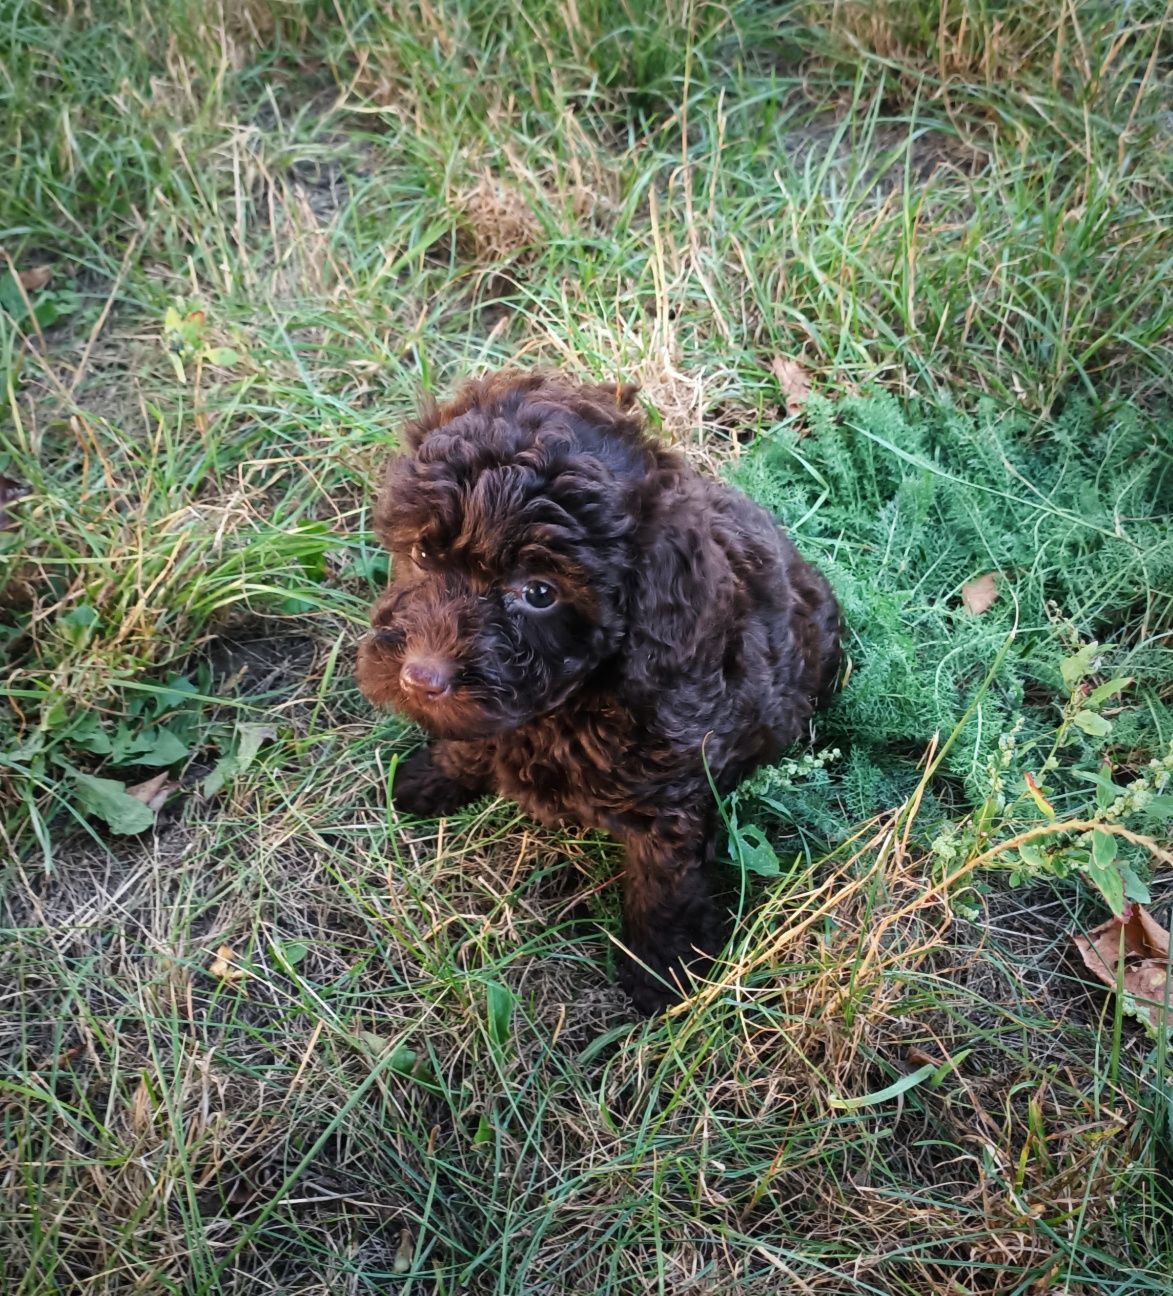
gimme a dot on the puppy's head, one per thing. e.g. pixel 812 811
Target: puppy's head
pixel 509 521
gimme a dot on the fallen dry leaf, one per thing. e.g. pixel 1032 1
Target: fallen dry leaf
pixel 154 792
pixel 1144 946
pixel 1032 786
pixel 9 490
pixel 141 1109
pixel 35 279
pixel 794 381
pixel 980 594
pixel 223 965
pixel 404 1252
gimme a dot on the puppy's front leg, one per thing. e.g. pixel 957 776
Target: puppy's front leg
pixel 670 920
pixel 440 778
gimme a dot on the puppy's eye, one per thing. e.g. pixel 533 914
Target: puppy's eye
pixel 539 595
pixel 419 555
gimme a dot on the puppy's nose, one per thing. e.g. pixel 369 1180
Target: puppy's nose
pixel 426 678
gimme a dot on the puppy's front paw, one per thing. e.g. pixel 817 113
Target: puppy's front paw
pixel 651 991
pixel 422 788
pixel 658 976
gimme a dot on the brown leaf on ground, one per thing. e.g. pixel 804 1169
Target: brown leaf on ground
pixel 979 595
pixel 154 792
pixel 9 490
pixel 404 1252
pixel 918 1057
pixel 223 965
pixel 794 381
pixel 1036 792
pixel 35 279
pixel 1144 946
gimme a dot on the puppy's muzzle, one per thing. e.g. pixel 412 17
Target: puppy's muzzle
pixel 424 679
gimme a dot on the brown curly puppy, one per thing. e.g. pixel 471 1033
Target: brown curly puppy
pixel 581 622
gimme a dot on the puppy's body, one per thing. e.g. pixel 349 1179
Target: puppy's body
pixel 684 629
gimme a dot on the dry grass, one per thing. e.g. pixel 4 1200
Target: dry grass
pixel 497 222
pixel 210 1099
pixel 973 42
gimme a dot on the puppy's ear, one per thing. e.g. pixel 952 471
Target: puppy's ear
pixel 681 603
pixel 428 418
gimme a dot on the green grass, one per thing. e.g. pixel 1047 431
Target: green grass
pixel 269 226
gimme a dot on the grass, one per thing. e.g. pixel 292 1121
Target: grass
pixel 269 225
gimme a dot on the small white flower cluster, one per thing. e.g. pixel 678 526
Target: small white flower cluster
pixel 1155 781
pixel 777 778
pixel 1000 761
pixel 946 848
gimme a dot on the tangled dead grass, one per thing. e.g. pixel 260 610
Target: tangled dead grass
pixel 354 1072
pixel 497 222
pixel 966 46
pixel 511 218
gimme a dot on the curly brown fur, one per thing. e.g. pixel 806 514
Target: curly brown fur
pixel 581 622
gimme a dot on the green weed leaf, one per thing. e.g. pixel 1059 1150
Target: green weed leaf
pixel 1135 887
pixel 1103 849
pixel 403 1060
pixel 291 953
pixel 1078 665
pixel 52 307
pixel 749 846
pixel 1106 790
pixel 11 300
pixel 1100 695
pixel 222 771
pixel 1158 808
pixel 55 714
pixel 178 691
pixel 1032 855
pixel 884 1095
pixel 1094 725
pixel 78 623
pixel 1102 871
pixel 155 747
pixel 48 306
pixel 88 734
pixel 250 737
pixel 499 1001
pixel 110 801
